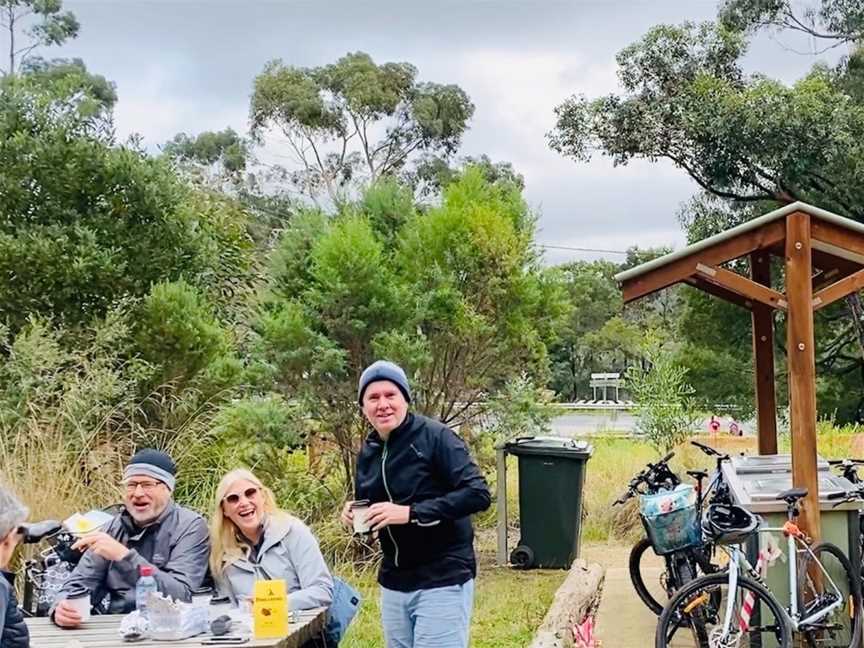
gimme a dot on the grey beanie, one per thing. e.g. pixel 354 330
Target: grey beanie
pixel 152 463
pixel 384 370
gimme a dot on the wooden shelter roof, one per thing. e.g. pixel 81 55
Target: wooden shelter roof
pixel 748 227
pixel 823 260
pixel 837 250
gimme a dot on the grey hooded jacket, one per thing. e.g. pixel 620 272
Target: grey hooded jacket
pixel 13 630
pixel 177 545
pixel 289 551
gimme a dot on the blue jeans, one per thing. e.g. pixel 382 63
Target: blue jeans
pixel 432 618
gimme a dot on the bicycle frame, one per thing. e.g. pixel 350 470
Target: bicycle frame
pixel 737 559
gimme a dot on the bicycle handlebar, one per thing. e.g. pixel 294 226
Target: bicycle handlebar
pixel 647 476
pixel 708 450
pixel 856 493
pixel 665 459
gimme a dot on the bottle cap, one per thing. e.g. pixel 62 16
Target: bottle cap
pixel 145 570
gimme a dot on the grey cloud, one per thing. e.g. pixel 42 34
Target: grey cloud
pixel 189 65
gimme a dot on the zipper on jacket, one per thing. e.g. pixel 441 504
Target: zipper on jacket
pixel 390 497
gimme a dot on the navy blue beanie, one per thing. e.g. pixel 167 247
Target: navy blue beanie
pixel 384 370
pixel 152 463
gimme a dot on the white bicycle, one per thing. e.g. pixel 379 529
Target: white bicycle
pixel 735 608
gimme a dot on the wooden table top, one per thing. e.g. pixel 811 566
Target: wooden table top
pixel 101 631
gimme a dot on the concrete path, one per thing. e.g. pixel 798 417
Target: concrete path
pixel 623 621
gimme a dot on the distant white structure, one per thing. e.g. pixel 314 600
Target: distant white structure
pixel 605 381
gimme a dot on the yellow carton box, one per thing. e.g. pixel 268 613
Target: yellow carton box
pixel 270 609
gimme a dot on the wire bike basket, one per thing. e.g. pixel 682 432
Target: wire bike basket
pixel 671 519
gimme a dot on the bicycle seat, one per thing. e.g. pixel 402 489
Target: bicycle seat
pixel 698 474
pixel 792 495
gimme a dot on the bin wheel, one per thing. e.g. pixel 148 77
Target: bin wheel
pixel 522 557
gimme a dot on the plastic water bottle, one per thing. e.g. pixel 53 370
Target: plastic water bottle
pixel 146 584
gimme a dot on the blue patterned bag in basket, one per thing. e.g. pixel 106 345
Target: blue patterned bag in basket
pixel 671 519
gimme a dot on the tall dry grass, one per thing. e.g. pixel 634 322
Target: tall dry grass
pixel 616 460
pixel 58 467
pixel 56 477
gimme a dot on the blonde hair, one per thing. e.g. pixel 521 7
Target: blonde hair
pixel 226 547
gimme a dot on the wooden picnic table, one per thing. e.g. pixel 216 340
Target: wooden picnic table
pixel 101 631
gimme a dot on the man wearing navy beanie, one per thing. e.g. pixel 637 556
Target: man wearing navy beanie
pixel 423 487
pixel 151 531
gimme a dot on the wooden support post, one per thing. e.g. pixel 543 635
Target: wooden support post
pixel 802 368
pixel 763 358
pixel 501 557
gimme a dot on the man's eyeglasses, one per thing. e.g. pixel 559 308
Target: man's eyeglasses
pixel 146 486
pixel 249 493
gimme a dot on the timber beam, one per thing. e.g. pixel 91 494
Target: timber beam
pixel 718 291
pixel 680 269
pixel 837 241
pixel 838 290
pixel 828 262
pixel 824 279
pixel 745 287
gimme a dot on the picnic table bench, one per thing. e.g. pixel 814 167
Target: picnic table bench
pixel 101 631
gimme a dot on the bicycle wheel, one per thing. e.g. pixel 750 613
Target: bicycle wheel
pixel 650 590
pixel 696 616
pixel 654 584
pixel 842 627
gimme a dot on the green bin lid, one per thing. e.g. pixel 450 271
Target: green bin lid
pixel 549 446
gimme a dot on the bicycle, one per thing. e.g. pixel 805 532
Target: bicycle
pixel 46 574
pixel 683 565
pixel 848 468
pixel 735 609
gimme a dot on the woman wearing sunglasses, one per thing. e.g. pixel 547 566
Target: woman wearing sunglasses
pixel 252 539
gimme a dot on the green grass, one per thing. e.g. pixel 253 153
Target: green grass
pixel 508 607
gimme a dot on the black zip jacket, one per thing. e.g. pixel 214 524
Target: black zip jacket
pixel 424 464
pixel 13 630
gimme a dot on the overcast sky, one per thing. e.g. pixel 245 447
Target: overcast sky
pixel 188 66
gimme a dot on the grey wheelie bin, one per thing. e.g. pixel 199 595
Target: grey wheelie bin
pixel 551 482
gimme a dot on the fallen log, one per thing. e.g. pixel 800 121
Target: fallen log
pixel 575 602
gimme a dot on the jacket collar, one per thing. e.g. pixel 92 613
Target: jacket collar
pixel 135 532
pixel 397 431
pixel 276 527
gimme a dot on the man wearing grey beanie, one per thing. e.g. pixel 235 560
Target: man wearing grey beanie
pixel 151 531
pixel 423 486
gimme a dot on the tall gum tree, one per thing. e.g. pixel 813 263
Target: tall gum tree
pixel 747 140
pixel 29 24
pixel 354 121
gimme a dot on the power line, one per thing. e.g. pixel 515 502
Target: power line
pixel 579 249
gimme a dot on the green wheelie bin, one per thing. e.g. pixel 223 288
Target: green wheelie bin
pixel 551 482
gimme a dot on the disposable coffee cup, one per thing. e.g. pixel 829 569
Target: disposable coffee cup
pixel 201 599
pixel 360 509
pixel 81 604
